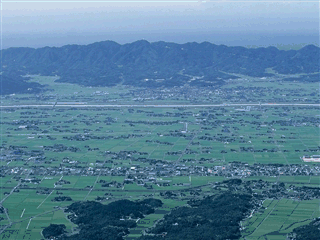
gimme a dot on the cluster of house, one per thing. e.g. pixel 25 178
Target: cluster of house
pixel 161 169
pixel 313 158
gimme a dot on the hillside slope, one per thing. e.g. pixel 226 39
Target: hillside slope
pixel 156 64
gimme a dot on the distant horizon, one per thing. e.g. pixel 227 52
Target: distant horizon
pixel 285 25
pixel 248 41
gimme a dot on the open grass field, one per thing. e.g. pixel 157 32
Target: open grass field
pixel 280 217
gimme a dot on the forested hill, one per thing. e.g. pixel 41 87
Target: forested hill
pixel 17 84
pixel 156 64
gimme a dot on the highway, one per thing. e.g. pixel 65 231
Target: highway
pixel 159 106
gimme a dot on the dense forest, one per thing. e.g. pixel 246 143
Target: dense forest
pixel 156 64
pixel 54 230
pixel 113 221
pixel 213 218
pixel 12 83
pixel 308 232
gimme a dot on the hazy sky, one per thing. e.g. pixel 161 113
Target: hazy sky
pixel 37 24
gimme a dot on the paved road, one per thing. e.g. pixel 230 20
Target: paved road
pixel 160 105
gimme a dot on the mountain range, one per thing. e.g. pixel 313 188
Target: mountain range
pixel 157 64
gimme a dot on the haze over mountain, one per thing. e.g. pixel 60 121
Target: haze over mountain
pixel 284 41
pixel 233 23
pixel 156 64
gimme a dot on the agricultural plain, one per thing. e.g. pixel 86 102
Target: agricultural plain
pixel 53 156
